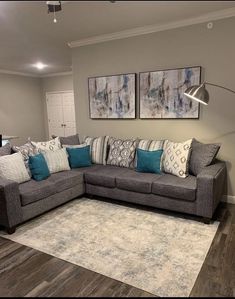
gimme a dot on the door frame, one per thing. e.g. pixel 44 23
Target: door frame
pixel 56 92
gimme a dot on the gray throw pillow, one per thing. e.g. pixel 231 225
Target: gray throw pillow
pixel 202 155
pixel 69 140
pixel 5 150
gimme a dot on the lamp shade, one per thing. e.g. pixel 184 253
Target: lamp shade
pixel 198 93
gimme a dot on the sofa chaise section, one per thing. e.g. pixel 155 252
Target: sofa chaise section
pixel 20 202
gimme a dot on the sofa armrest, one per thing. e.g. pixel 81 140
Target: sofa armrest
pixel 210 188
pixel 10 205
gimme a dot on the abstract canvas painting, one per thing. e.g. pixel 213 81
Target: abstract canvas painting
pixel 112 97
pixel 162 93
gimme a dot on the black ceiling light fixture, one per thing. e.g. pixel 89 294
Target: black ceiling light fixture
pixel 53 7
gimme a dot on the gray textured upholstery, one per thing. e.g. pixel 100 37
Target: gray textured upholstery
pixel 69 140
pixel 105 176
pixel 5 150
pixel 151 200
pixel 202 155
pixel 136 181
pixel 210 188
pixel 10 205
pixel 175 187
pixel 65 179
pixel 91 168
pixel 51 202
pixel 194 195
pixel 32 191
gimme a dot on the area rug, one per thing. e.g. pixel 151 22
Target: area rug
pixel 158 253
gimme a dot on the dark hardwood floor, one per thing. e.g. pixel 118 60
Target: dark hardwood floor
pixel 28 272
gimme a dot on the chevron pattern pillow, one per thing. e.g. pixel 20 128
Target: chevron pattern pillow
pixel 12 167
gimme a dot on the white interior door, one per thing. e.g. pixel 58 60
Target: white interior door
pixel 61 114
pixel 69 114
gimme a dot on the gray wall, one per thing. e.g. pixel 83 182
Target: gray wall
pixel 50 84
pixel 189 46
pixel 21 109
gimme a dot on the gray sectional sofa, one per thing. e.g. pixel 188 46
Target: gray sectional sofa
pixel 197 195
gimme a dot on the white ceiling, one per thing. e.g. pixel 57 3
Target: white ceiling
pixel 28 34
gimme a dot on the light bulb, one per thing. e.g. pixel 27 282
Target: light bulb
pixel 55 21
pixel 40 65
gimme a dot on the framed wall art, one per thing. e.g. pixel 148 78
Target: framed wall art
pixel 112 97
pixel 162 94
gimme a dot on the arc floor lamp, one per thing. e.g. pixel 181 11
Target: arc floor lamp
pixel 200 94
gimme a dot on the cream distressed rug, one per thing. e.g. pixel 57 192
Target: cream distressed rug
pixel 157 253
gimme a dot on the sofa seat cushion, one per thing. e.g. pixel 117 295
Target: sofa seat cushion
pixel 104 176
pixel 175 187
pixel 84 170
pixel 136 181
pixel 66 179
pixel 32 191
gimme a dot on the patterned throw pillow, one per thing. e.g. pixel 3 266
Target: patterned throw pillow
pixel 122 152
pixel 12 167
pixel 150 145
pixel 98 148
pixel 57 160
pixel 26 150
pixel 51 145
pixel 74 146
pixel 176 157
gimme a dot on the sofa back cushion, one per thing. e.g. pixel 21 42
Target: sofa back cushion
pixel 202 155
pixel 176 157
pixel 69 140
pixel 98 148
pixel 122 152
pixel 51 145
pixel 5 150
pixel 38 167
pixel 79 157
pixel 12 167
pixel 149 161
pixel 57 160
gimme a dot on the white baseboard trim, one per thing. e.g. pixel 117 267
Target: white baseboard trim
pixel 229 199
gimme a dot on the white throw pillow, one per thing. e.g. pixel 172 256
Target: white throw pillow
pixel 176 157
pixel 57 160
pixel 12 167
pixel 51 145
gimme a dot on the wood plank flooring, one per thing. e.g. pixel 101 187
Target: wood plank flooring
pixel 217 275
pixel 26 272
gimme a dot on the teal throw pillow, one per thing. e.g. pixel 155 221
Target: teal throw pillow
pixel 79 157
pixel 149 161
pixel 38 167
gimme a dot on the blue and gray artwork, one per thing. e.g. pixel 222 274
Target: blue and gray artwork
pixel 162 93
pixel 112 96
